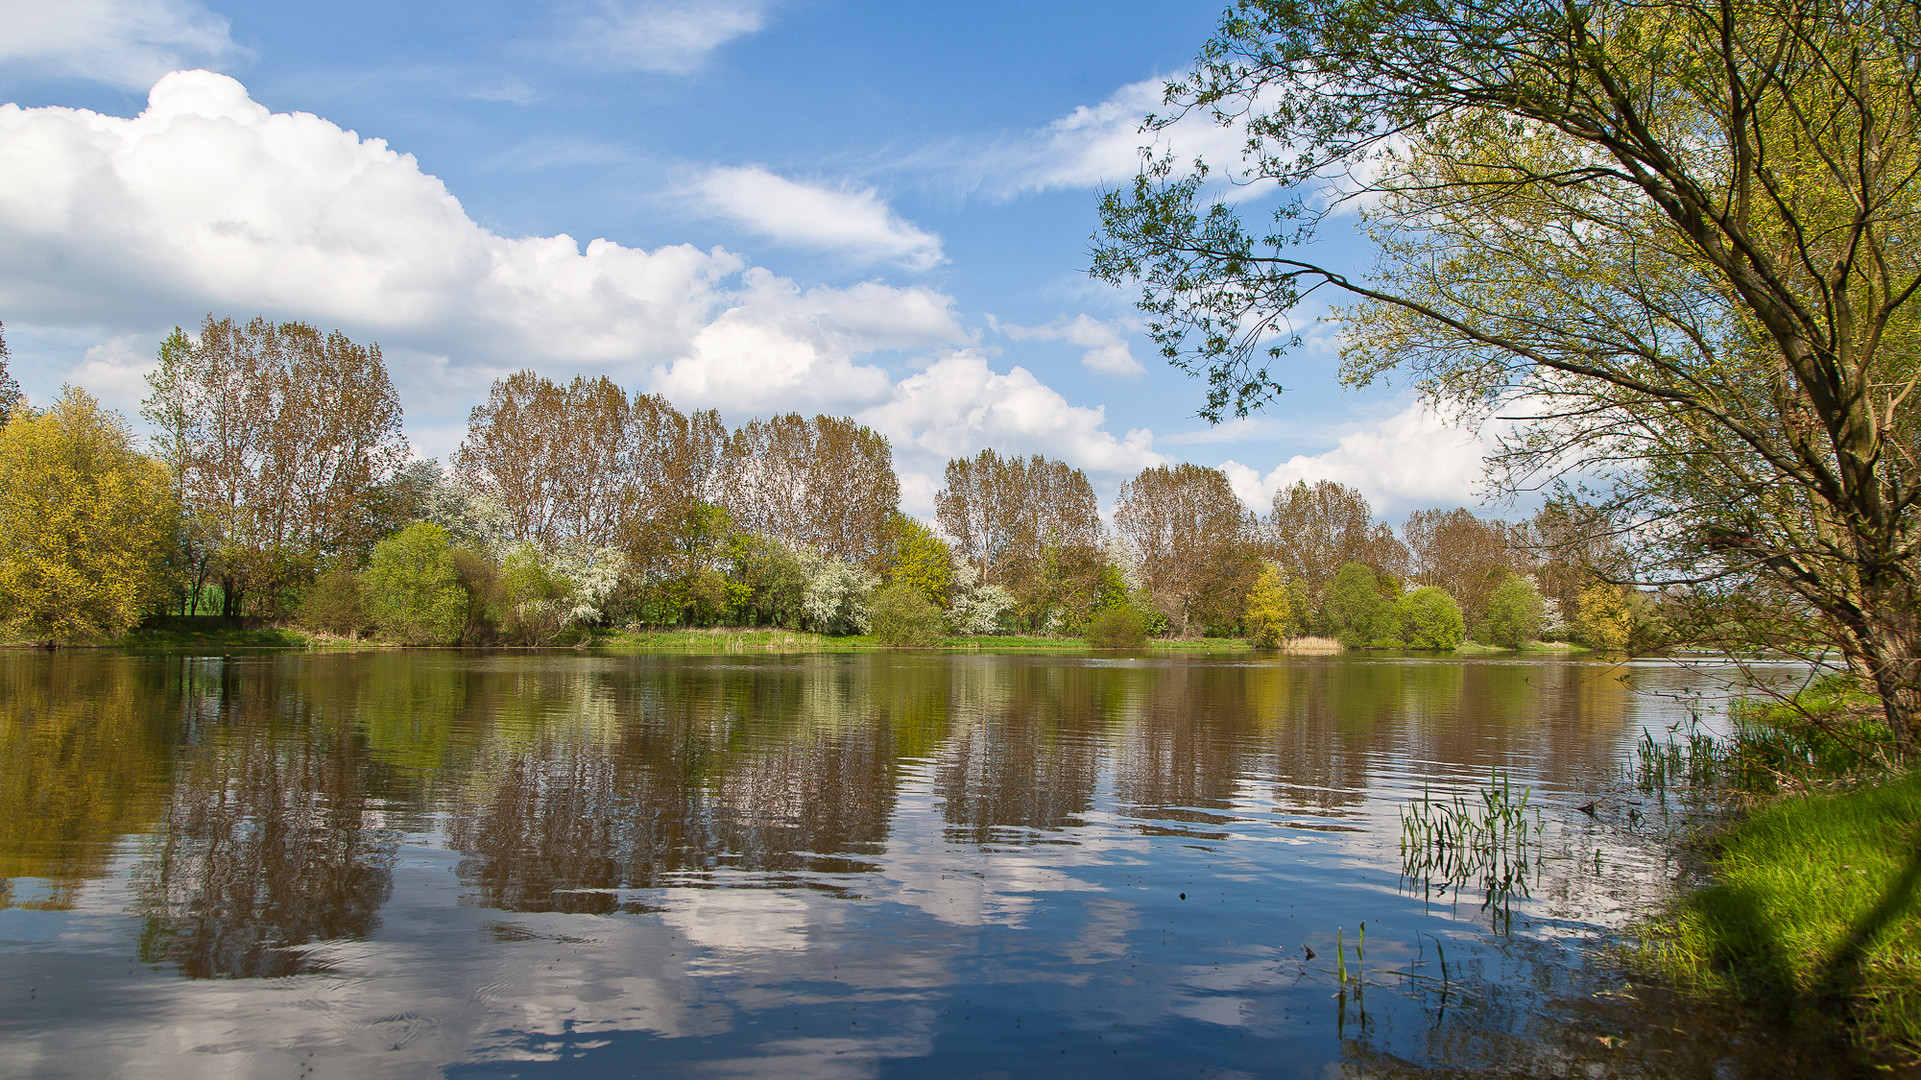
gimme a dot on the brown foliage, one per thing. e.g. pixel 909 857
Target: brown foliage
pixel 280 439
pixel 582 463
pixel 826 483
pixel 1314 531
pixel 1463 555
pixel 1030 525
pixel 1195 540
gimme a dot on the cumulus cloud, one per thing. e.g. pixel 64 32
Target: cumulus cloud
pixel 960 404
pixel 207 201
pixel 1413 459
pixel 127 43
pixel 671 36
pixel 781 347
pixel 854 222
pixel 115 371
pixel 1107 348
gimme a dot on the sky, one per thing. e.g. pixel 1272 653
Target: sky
pixel 877 210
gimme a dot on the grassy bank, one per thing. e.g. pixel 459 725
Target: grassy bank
pixel 1813 914
pixel 733 639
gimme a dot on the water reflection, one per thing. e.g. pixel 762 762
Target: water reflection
pixel 832 864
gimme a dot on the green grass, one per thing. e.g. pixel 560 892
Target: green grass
pixel 219 637
pixel 1813 912
pixel 735 639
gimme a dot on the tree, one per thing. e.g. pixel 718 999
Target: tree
pixel 1462 555
pixel 1602 620
pixel 1674 234
pixel 279 439
pixel 825 483
pixel 1513 615
pixel 1193 539
pixel 85 521
pixel 1358 612
pixel 412 589
pixel 917 557
pixel 1314 531
pixel 1430 619
pixel 1030 525
pixel 1270 615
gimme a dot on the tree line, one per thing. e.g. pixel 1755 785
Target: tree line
pixel 279 486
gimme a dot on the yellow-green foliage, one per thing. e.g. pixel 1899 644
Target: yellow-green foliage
pixel 1815 902
pixel 84 522
pixel 1430 619
pixel 921 559
pixel 412 590
pixel 902 615
pixel 1602 619
pixel 1271 616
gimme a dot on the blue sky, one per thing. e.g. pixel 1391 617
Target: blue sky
pixel 878 210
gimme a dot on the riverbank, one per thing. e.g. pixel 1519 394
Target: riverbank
pixel 205 634
pixel 1810 912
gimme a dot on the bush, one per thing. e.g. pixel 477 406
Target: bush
pixel 412 589
pixel 1122 627
pixel 1430 619
pixel 1271 616
pixel 1357 611
pixel 1513 615
pixel 532 602
pixel 902 615
pixel 335 605
pixel 837 596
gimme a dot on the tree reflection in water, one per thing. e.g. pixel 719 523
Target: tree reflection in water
pixel 686 834
pixel 271 840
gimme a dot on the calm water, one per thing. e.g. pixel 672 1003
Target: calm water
pixel 479 865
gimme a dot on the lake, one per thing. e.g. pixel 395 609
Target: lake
pixel 438 863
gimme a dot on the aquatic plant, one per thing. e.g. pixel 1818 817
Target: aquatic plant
pixel 1490 838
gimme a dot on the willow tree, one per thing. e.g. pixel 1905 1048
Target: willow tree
pixel 1676 236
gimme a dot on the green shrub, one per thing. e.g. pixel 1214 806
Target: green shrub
pixel 1430 619
pixel 903 616
pixel 412 589
pixel 335 605
pixel 1121 627
pixel 1358 613
pixel 1513 616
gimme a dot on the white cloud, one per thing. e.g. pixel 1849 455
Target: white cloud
pixel 854 222
pixel 673 36
pixel 207 201
pixel 1411 460
pixel 115 371
pixel 1107 348
pixel 960 405
pixel 128 43
pixel 783 348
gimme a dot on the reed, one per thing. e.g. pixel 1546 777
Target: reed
pixel 1490 838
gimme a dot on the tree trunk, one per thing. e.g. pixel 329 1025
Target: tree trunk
pixel 1895 668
